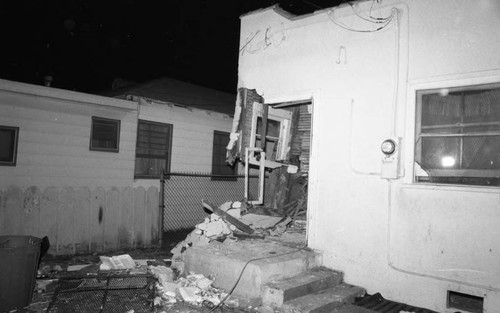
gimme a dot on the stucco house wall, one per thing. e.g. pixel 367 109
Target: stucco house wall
pixel 411 242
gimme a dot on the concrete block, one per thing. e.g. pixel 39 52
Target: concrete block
pixel 277 292
pixel 324 301
pixel 189 294
pixel 226 261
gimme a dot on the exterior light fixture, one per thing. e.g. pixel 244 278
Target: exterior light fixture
pixel 388 147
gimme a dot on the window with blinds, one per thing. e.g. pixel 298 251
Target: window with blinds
pixel 153 149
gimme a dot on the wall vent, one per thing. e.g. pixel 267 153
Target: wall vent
pixel 466 302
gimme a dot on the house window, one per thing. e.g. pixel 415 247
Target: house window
pixel 458 135
pixel 104 134
pixel 219 165
pixel 153 150
pixel 8 145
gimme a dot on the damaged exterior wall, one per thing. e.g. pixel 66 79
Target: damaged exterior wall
pixel 410 241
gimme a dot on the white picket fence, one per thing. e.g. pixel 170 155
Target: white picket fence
pixel 83 220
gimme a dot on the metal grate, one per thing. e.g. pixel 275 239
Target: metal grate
pixel 103 294
pixel 183 192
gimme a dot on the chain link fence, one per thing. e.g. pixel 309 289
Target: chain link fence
pixel 183 192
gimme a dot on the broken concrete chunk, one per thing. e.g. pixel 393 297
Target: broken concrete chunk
pixel 201 241
pixel 162 273
pixel 203 226
pixel 124 261
pixel 235 213
pixel 226 206
pixel 214 217
pixel 157 301
pixel 107 263
pixel 118 262
pixel 170 287
pixel 236 204
pixel 178 266
pixel 215 228
pixel 204 283
pixel 189 294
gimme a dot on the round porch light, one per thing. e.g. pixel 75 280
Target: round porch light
pixel 388 146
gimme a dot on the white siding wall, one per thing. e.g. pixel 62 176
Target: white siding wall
pixel 411 242
pixel 54 138
pixel 82 200
pixel 192 135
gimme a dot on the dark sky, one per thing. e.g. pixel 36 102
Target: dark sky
pixel 86 44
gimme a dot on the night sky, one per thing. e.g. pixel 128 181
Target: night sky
pixel 86 45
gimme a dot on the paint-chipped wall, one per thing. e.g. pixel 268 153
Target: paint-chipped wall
pixel 411 242
pixel 82 220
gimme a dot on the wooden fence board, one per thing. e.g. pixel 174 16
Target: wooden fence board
pixel 126 227
pixel 49 203
pixel 31 212
pixel 65 226
pixel 82 221
pixel 139 216
pixel 111 219
pixel 97 211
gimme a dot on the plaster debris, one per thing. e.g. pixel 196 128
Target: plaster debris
pixel 189 294
pixel 118 262
pixel 162 273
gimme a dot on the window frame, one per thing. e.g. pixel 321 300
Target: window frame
pixel 167 157
pixel 283 117
pixel 117 124
pixel 456 176
pixel 222 176
pixel 13 162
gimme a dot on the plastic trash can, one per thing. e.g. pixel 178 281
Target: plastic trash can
pixel 18 267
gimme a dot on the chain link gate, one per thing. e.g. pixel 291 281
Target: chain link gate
pixel 182 194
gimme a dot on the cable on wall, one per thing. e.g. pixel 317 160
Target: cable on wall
pixel 384 21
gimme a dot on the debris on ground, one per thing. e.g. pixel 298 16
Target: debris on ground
pixel 119 262
pixel 231 221
pixel 194 289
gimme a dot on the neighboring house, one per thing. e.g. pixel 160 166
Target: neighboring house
pixel 194 120
pixel 85 169
pixel 404 176
pixel 183 128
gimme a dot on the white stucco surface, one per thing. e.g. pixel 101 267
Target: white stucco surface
pixel 411 242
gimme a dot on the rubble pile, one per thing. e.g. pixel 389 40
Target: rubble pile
pixel 194 289
pixel 231 220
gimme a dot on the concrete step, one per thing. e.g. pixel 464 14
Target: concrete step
pixel 279 291
pixel 324 301
pixel 268 261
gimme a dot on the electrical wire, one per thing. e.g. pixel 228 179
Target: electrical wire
pixel 371 19
pixel 243 270
pixel 385 24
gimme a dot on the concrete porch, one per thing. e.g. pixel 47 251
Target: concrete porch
pixel 281 273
